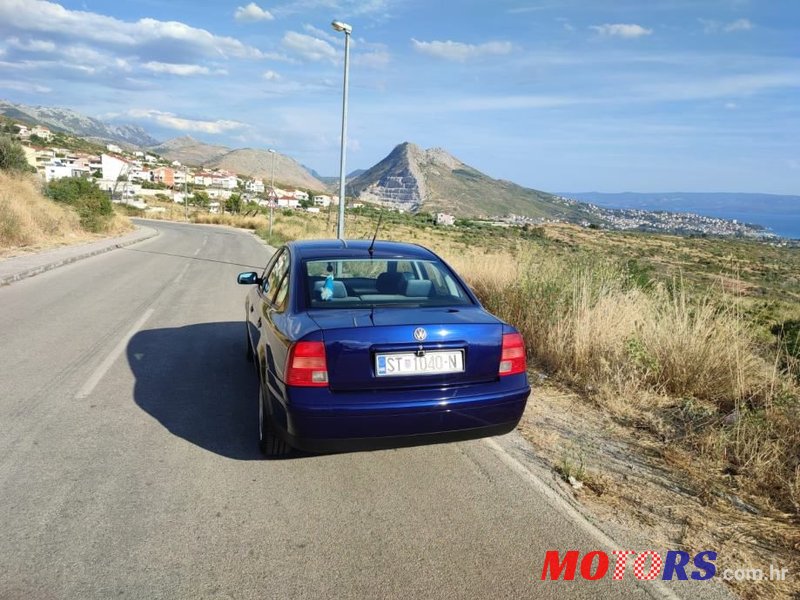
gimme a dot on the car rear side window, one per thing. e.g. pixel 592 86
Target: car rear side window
pixel 276 274
pixel 363 283
pixel 279 300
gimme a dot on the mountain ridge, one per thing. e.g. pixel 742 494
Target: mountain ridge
pixel 413 178
pixel 69 121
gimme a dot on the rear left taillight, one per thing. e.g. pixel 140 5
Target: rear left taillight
pixel 307 366
pixel 512 360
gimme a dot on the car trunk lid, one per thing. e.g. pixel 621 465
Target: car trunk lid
pixel 355 339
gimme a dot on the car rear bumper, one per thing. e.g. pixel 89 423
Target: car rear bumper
pixel 382 425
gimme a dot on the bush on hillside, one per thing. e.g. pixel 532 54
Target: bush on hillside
pixel 93 204
pixel 12 156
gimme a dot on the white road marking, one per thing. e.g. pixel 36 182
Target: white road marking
pixel 182 273
pixel 656 588
pixel 103 368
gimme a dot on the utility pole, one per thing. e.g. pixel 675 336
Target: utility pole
pixel 347 30
pixel 272 195
pixel 185 195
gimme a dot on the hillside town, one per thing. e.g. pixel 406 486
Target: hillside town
pixel 651 221
pixel 135 176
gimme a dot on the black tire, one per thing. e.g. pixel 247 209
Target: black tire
pixel 270 444
pixel 249 353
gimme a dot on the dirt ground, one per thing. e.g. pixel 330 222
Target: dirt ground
pixel 623 475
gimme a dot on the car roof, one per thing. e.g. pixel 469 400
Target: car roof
pixel 310 249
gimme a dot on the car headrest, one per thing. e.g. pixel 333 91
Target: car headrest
pixel 339 291
pixel 390 283
pixel 419 288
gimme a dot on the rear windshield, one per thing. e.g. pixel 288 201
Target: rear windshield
pixel 363 283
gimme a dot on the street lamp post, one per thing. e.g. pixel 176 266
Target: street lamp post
pixel 347 30
pixel 272 194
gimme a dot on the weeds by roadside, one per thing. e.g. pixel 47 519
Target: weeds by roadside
pixel 645 352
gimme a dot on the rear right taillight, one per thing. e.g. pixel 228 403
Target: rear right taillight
pixel 307 365
pixel 512 359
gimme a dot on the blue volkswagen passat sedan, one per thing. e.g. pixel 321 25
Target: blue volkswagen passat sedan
pixel 366 345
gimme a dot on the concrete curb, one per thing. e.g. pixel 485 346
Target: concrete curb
pixel 144 233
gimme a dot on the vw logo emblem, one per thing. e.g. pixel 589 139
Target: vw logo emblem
pixel 420 334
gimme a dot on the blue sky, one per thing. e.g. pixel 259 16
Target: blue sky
pixel 691 95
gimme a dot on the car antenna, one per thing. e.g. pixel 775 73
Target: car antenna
pixel 371 248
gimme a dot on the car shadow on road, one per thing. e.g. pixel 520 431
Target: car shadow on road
pixel 196 382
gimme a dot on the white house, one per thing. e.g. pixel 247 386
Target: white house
pixel 322 200
pixel 57 170
pixel 255 185
pixel 140 174
pixel 113 167
pixel 445 219
pixel 288 202
pixel 113 148
pixel 300 195
pixel 182 177
pixel 42 132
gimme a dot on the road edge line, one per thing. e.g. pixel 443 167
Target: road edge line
pixel 655 588
pixel 98 374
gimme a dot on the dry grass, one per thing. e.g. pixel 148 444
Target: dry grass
pixel 28 220
pixel 254 223
pixel 687 368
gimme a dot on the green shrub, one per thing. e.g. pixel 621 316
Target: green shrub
pixel 12 156
pixel 93 204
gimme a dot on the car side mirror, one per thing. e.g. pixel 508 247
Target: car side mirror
pixel 249 278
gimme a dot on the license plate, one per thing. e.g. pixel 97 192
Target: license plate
pixel 408 363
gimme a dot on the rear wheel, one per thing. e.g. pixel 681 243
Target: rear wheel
pixel 270 444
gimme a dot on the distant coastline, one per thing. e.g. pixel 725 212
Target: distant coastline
pixel 779 214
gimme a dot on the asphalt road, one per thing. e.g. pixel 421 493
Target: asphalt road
pixel 129 466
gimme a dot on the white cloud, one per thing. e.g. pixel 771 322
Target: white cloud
pixel 711 26
pixel 252 12
pixel 23 86
pixel 514 102
pixel 309 47
pixel 271 76
pixel 731 105
pixel 146 34
pixel 738 25
pixel 376 60
pixel 328 36
pixel 717 87
pixel 176 69
pixel 172 121
pixel 460 51
pixel 623 30
pixel 31 45
pixel 280 57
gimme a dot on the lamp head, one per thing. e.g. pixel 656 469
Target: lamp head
pixel 340 26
